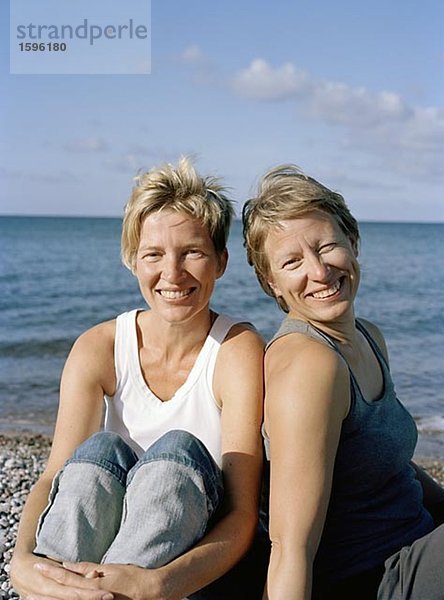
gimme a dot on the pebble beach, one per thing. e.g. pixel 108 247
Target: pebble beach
pixel 22 460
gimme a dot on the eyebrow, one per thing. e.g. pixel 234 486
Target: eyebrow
pixel 148 247
pixel 285 256
pixel 198 241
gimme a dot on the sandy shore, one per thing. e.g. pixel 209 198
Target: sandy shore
pixel 22 459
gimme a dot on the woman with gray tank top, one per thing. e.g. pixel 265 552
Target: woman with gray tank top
pixel 350 517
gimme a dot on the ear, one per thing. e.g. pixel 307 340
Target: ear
pixel 223 260
pixel 355 248
pixel 276 290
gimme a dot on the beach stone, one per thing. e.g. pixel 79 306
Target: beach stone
pixel 22 460
pixel 10 463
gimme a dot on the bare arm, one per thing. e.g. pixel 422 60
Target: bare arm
pixel 238 386
pixel 307 398
pixel 88 374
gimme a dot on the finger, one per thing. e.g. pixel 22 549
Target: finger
pixel 73 594
pixel 93 574
pixel 77 586
pixel 89 570
pixel 34 597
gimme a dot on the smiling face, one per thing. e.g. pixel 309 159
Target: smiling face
pixel 177 265
pixel 313 267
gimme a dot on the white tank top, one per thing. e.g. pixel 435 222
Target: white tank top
pixel 140 417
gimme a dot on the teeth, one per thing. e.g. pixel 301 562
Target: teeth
pixel 326 293
pixel 173 295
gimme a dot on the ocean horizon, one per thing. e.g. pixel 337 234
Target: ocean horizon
pixel 61 275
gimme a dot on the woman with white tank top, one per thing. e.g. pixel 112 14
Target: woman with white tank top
pixel 164 500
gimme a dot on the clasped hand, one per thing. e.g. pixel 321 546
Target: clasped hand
pixel 90 581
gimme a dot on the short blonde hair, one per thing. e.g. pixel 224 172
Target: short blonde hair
pixel 182 189
pixel 284 193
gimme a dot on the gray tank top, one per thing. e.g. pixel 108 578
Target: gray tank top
pixel 376 501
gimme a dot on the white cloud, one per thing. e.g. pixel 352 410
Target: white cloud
pixel 340 103
pixel 38 176
pixel 127 163
pixel 392 104
pixel 411 139
pixel 193 55
pixel 261 82
pixel 204 71
pixel 342 179
pixel 334 102
pixel 425 131
pixel 88 144
pixel 139 157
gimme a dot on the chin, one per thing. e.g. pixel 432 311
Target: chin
pixel 181 314
pixel 336 314
pixel 323 314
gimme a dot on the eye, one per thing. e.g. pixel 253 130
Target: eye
pixel 151 256
pixel 327 247
pixel 291 263
pixel 194 253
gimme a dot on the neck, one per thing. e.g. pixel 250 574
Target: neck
pixel 175 339
pixel 343 331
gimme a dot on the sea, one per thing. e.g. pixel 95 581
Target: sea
pixel 59 276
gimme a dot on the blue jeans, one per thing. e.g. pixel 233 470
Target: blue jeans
pixel 108 506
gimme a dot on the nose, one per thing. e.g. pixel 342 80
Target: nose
pixel 317 268
pixel 173 271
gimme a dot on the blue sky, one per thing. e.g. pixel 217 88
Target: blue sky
pixel 352 92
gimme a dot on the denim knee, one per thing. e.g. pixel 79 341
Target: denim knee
pixel 185 448
pixel 107 450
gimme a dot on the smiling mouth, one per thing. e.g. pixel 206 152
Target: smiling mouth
pixel 175 295
pixel 331 291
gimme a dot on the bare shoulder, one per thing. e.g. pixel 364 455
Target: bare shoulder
pixel 299 352
pixel 101 333
pixel 239 365
pixel 99 339
pixel 298 363
pixel 92 355
pixel 88 375
pixel 242 339
pixel 377 335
